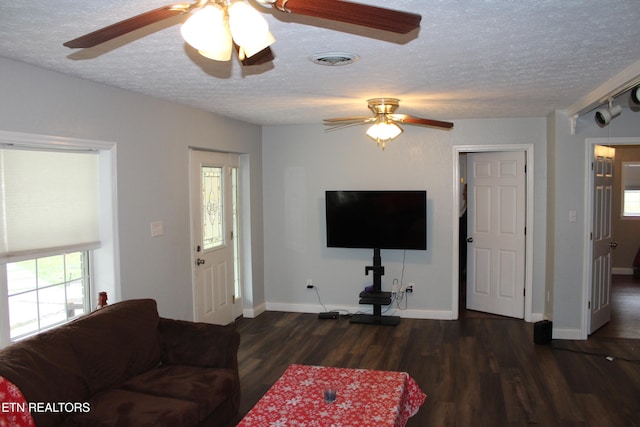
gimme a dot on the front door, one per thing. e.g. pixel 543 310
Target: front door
pixel 601 237
pixel 496 232
pixel 212 226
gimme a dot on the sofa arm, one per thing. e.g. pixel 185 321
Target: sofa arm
pixel 199 344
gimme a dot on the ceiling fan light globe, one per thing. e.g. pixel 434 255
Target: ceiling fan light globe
pixel 383 131
pixel 249 29
pixel 221 55
pixel 207 32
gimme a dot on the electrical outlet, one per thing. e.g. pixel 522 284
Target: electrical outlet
pixel 409 288
pixel 309 284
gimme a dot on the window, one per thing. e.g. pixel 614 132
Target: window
pixel 212 207
pixel 58 230
pixel 45 292
pixel 631 189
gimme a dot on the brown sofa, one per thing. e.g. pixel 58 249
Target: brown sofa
pixel 123 365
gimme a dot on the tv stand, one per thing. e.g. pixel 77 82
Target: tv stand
pixel 377 298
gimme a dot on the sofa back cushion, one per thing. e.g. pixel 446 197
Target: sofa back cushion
pixel 116 342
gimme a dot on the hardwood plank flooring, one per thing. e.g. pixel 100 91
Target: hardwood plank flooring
pixel 476 371
pixel 625 309
pixel 479 370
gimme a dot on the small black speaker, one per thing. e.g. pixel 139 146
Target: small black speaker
pixel 542 331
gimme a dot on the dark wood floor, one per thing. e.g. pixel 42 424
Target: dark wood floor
pixel 625 309
pixel 476 371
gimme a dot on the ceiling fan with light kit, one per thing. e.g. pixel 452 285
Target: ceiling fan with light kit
pixel 384 123
pixel 215 27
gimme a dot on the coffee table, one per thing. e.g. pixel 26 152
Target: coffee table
pixel 363 398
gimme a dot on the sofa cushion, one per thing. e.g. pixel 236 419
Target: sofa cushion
pixel 199 344
pixel 117 342
pixel 117 407
pixel 206 387
pixel 45 369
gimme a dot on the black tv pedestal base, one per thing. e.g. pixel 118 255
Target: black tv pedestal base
pixel 372 319
pixel 376 297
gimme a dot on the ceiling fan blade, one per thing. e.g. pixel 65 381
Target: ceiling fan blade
pixel 339 120
pixel 128 25
pixel 405 118
pixel 339 126
pixel 354 13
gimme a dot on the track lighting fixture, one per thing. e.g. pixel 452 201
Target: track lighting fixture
pixel 635 95
pixel 604 115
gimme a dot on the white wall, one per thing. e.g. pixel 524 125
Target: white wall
pixel 301 162
pixel 153 138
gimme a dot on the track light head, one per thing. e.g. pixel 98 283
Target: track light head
pixel 604 115
pixel 635 95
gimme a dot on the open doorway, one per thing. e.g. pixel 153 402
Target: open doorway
pixel 624 295
pixel 461 154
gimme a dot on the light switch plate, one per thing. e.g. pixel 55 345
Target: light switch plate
pixel 157 229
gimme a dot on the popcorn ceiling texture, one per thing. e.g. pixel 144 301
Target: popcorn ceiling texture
pixel 470 59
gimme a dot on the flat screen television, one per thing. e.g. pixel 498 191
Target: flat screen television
pixel 377 219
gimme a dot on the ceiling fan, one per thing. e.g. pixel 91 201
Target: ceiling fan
pixel 384 121
pixel 235 24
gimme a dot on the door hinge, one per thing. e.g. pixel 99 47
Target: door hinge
pixel 231 233
pixel 591 236
pixel 589 305
pixel 233 298
pixel 524 292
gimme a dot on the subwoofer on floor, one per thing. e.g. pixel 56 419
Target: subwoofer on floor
pixel 542 332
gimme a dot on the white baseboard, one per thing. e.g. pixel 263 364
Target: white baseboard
pixel 622 271
pixel 352 309
pixel 407 314
pixel 251 313
pixel 567 334
pixel 536 317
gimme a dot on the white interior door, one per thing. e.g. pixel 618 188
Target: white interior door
pixel 212 219
pixel 601 237
pixel 496 192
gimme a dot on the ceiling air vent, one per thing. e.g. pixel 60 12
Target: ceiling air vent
pixel 333 59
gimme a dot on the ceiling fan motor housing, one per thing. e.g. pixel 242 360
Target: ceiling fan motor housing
pixel 383 105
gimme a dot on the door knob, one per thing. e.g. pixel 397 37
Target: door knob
pixel 199 261
pixel 613 245
pixel 469 239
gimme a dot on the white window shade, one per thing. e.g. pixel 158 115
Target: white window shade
pixel 631 175
pixel 49 200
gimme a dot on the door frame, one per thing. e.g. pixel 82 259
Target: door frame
pixel 527 149
pixel 587 284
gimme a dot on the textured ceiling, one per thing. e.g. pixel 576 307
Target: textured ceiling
pixel 469 59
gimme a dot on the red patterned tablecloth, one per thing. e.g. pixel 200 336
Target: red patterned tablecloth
pixel 363 398
pixel 13 407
